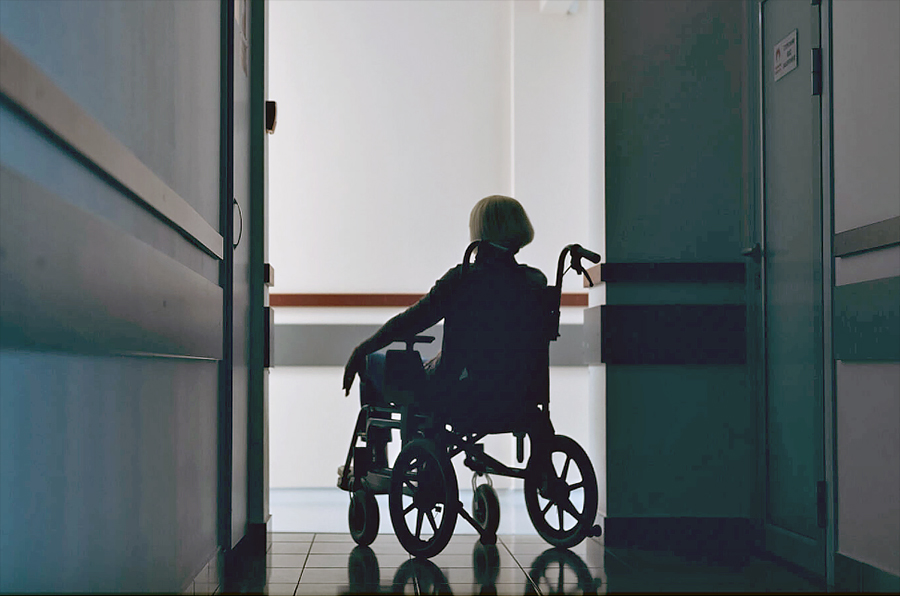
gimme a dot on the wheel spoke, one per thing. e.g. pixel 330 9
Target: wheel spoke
pixel 419 523
pixel 547 508
pixel 565 469
pixel 568 506
pixel 560 511
pixel 410 508
pixel 431 521
pixel 576 486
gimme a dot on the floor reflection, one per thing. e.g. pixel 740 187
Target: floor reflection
pixel 297 564
pixel 553 571
pixel 556 571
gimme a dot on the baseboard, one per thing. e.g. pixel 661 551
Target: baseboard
pixel 715 535
pixel 245 564
pixel 259 535
pixel 796 549
pixel 851 575
pixel 209 579
pixel 268 525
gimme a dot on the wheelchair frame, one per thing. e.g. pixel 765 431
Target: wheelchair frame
pixel 423 470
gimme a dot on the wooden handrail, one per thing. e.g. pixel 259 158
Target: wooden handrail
pixel 369 300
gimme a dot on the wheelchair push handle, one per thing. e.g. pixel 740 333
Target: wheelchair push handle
pixel 583 253
pixel 577 253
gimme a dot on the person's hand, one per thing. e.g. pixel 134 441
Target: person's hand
pixel 355 365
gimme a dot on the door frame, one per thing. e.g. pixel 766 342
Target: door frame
pixel 226 276
pixel 257 503
pixel 826 193
pixel 828 265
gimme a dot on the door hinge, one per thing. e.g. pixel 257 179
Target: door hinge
pixel 816 60
pixel 821 504
pixel 268 337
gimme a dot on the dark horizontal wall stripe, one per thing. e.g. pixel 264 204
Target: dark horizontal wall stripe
pixel 73 281
pixel 331 345
pixel 699 535
pixel 372 300
pixel 26 87
pixel 673 334
pixel 871 237
pixel 671 272
pixel 867 321
pixel 676 293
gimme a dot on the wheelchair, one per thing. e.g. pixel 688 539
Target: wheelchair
pixel 560 484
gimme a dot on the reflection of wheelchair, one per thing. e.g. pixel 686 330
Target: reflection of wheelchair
pixel 560 484
pixel 556 570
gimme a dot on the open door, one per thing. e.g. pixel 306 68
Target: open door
pixel 243 411
pixel 792 247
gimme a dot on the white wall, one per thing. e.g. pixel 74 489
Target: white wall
pixel 311 424
pixel 866 117
pixel 550 131
pixel 394 119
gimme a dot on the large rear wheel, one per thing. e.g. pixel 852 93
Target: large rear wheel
pixel 561 498
pixel 424 499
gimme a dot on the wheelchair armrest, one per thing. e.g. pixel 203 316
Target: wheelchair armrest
pixel 416 339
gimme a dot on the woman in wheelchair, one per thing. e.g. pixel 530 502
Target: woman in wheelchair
pixel 491 376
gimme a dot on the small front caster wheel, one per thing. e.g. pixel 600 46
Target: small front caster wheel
pixel 486 509
pixel 363 517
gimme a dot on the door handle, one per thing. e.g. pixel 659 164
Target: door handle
pixel 241 229
pixel 755 253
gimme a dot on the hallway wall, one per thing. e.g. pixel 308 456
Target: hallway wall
pixel 394 118
pixel 867 294
pixel 111 313
pixel 682 439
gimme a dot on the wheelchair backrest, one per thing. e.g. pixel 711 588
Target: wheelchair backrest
pixel 497 334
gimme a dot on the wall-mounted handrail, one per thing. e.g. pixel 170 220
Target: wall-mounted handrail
pixel 881 234
pixel 29 89
pixel 375 300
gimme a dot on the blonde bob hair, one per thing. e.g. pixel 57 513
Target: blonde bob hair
pixel 501 220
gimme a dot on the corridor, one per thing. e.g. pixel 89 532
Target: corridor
pixel 730 367
pixel 330 563
pixel 324 560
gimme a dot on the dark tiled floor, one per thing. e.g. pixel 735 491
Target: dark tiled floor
pixel 326 564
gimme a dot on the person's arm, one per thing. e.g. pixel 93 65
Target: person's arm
pixel 418 317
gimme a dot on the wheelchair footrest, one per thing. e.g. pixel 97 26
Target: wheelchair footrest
pixel 378 481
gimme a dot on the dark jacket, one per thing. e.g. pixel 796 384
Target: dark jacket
pixel 494 353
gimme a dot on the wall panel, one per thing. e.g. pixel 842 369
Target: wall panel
pixel 866 92
pixel 111 308
pixel 148 71
pixel 108 468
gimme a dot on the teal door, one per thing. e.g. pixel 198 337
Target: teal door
pixel 793 291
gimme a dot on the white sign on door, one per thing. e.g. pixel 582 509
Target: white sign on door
pixel 786 55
